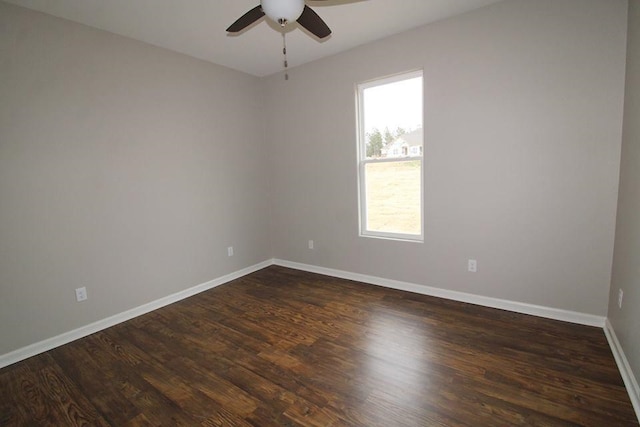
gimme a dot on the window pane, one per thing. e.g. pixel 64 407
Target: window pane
pixel 390 155
pixel 393 119
pixel 393 202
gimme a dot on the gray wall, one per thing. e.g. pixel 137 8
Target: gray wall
pixel 124 168
pixel 626 262
pixel 523 118
pixel 129 169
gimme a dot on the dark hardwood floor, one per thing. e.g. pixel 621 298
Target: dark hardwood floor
pixel 282 347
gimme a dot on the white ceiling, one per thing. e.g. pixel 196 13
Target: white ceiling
pixel 197 27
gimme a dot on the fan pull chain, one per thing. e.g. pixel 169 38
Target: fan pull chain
pixel 284 52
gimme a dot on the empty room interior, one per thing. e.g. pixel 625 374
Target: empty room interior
pixel 198 228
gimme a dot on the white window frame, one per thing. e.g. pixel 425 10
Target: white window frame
pixel 363 161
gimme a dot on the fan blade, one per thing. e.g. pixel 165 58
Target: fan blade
pixel 245 20
pixel 312 22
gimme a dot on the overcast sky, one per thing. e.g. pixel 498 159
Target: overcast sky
pixel 394 104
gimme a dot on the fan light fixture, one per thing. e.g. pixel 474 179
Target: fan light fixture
pixel 283 11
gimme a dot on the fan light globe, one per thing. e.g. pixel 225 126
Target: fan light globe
pixel 279 10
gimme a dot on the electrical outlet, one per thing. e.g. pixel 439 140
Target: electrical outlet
pixel 311 244
pixel 230 251
pixel 473 266
pixel 81 294
pixel 620 295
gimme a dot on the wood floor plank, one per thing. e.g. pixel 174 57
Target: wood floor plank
pixel 62 401
pixel 95 382
pixel 157 408
pixel 21 397
pixel 282 347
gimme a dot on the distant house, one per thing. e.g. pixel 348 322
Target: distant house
pixel 407 145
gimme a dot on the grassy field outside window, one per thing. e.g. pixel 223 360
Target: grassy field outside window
pixel 393 197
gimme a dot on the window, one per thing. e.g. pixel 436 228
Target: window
pixel 390 157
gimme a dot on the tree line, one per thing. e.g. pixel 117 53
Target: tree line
pixel 377 140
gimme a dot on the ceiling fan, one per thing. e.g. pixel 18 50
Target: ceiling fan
pixel 284 12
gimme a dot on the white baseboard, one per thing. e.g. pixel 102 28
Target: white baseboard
pixel 518 307
pixel 67 337
pixel 625 369
pixel 547 312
